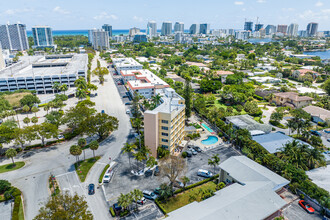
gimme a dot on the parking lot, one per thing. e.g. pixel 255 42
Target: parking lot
pixel 6 209
pixel 294 211
pixel 145 212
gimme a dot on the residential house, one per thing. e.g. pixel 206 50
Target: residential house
pixel 291 99
pixel 318 114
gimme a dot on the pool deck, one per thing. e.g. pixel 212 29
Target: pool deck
pixel 204 135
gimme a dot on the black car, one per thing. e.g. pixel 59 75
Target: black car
pixel 117 208
pixel 91 189
pixel 198 149
pixel 128 103
pixel 156 172
pixel 148 173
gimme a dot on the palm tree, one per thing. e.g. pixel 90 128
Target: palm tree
pixel 315 158
pixel 151 162
pixel 129 148
pixel 214 161
pixel 56 86
pixel 136 195
pixel 80 83
pixel 156 100
pixel 35 109
pixel 82 143
pixel 165 191
pixel 80 93
pixel 125 200
pixel 63 88
pixel 46 108
pixel 11 153
pixel 185 180
pixel 94 145
pixel 75 150
pixel 26 120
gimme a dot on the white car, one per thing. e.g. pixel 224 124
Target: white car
pixel 106 178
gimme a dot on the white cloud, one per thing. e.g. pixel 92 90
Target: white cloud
pixel 17 11
pixel 105 15
pixel 136 18
pixel 261 1
pixel 319 4
pixel 322 15
pixel 60 10
pixel 239 3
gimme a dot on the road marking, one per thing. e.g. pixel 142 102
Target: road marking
pixel 65 173
pixel 101 163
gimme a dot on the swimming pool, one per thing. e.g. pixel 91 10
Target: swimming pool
pixel 207 128
pixel 210 140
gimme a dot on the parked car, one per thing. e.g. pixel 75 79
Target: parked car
pixel 106 178
pixel 327 131
pixel 178 184
pixel 198 149
pixel 117 208
pixel 156 191
pixel 156 172
pixel 189 153
pixel 148 173
pixel 95 94
pixel 189 146
pixel 314 132
pixel 204 173
pixel 193 151
pixel 328 139
pixel 125 96
pixel 128 111
pixel 102 111
pixel 306 206
pixel 91 189
pixel 128 103
pixel 60 136
pixel 141 201
pixel 149 195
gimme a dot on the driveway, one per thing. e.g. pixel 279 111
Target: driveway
pixel 294 212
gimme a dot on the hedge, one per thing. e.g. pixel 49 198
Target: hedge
pixel 17 202
pixel 103 172
pixel 112 212
pixel 160 206
pixel 196 184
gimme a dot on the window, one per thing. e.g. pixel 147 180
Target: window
pixel 165 128
pixel 165 121
pixel 165 134
pixel 164 140
pixel 164 146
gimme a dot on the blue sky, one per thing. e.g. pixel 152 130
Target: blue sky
pixel 123 14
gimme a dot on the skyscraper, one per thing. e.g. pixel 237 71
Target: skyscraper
pixel 270 29
pixel 312 29
pixel 100 40
pixel 2 60
pixel 42 36
pixel 293 30
pixel 178 37
pixel 194 29
pixel 248 25
pixel 178 27
pixel 204 28
pixel 257 27
pixel 152 27
pixel 282 28
pixel 133 31
pixel 166 28
pixel 107 28
pixel 13 37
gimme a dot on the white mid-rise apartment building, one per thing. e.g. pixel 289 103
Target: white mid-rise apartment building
pixel 126 64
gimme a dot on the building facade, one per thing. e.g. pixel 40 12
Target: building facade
pixel 270 29
pixel 312 29
pixel 166 28
pixel 2 60
pixel 194 29
pixel 293 30
pixel 282 28
pixel 126 64
pixel 133 31
pixel 248 26
pixel 152 27
pixel 258 27
pixel 100 40
pixel 204 28
pixel 138 38
pixel 164 126
pixel 14 37
pixel 42 36
pixel 291 99
pixel 108 28
pixel 178 27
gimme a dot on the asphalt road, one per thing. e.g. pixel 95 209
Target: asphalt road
pixel 294 211
pixel 32 179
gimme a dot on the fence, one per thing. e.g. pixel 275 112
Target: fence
pixel 315 204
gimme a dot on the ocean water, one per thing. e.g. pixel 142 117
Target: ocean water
pixel 80 32
pixel 322 54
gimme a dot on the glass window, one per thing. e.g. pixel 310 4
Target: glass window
pixel 165 121
pixel 165 134
pixel 164 140
pixel 164 128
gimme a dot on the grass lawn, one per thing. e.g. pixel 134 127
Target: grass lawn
pixel 221 105
pixel 21 212
pixel 10 167
pixel 14 98
pixel 84 166
pixel 187 197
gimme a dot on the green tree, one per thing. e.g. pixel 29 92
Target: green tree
pixel 151 162
pixel 56 86
pixel 76 151
pixel 34 120
pixel 45 131
pixel 129 149
pixel 165 191
pixel 11 153
pixel 64 206
pixel 94 145
pixel 251 107
pixel 26 108
pixel 326 86
pixel 101 72
pixel 54 117
pixel 26 120
pixel 35 109
pixel 125 200
pixel 82 143
pixel 81 94
pixel 276 116
pixel 64 88
pixel 136 195
pixel 80 83
pixel 76 117
pixel 185 180
pixel 187 95
pixel 29 100
pixel 214 161
pixel 172 167
pixel 101 124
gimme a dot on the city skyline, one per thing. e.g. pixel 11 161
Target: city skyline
pixel 63 15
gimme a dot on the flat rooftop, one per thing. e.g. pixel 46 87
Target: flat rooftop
pixel 144 79
pixel 247 122
pixel 31 66
pixel 125 62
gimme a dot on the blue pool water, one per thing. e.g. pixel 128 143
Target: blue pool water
pixel 207 128
pixel 210 140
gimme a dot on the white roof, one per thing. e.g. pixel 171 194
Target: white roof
pixel 125 62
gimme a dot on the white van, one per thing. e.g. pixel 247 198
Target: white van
pixel 204 173
pixel 128 111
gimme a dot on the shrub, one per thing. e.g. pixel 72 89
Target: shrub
pixel 196 184
pixel 160 206
pixel 273 129
pixel 19 149
pixel 4 186
pixel 103 172
pixel 322 124
pixel 112 212
pixel 124 213
pixel 70 135
pixel 184 154
pixel 32 147
pixel 220 185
